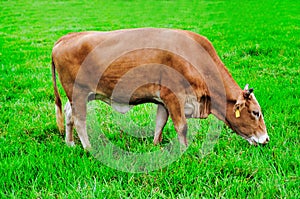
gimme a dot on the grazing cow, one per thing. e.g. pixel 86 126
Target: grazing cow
pixel 176 69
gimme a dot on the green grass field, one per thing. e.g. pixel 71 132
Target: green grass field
pixel 257 40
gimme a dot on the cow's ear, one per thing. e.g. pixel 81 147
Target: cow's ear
pixel 238 108
pixel 239 105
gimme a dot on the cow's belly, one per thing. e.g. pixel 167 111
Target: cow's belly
pixel 123 102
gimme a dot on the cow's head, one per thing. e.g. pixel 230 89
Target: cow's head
pixel 247 119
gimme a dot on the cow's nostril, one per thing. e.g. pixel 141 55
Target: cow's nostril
pixel 266 141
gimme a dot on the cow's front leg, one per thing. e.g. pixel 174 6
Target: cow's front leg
pixel 69 125
pixel 176 110
pixel 79 114
pixel 161 120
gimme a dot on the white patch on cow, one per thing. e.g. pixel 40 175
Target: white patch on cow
pixel 102 97
pixel 69 125
pixel 121 108
pixel 192 107
pixel 188 110
pixel 262 139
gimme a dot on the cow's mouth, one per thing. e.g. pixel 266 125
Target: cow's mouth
pixel 252 141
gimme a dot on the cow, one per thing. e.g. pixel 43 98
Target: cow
pixel 178 70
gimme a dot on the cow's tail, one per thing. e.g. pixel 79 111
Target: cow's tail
pixel 58 108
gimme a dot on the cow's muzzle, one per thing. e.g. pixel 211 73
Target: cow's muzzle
pixel 264 139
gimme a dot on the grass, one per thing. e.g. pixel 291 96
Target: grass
pixel 257 41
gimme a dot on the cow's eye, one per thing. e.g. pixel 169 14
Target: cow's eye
pixel 255 113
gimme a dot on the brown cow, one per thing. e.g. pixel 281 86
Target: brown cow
pixel 176 69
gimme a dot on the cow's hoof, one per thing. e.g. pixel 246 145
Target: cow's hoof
pixel 70 143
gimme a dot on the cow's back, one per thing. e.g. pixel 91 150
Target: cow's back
pixel 71 51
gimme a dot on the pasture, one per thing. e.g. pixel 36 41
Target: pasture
pixel 259 43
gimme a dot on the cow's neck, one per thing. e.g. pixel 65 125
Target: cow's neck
pixel 232 91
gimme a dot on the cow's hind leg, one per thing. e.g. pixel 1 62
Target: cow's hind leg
pixel 161 120
pixel 69 125
pixel 79 114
